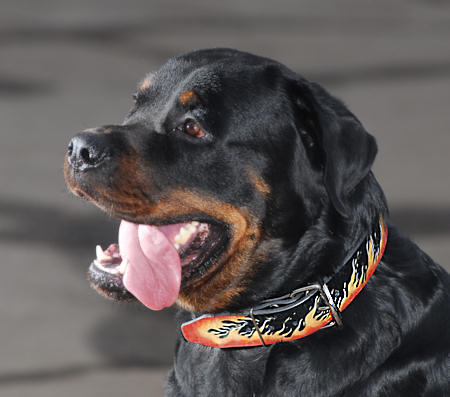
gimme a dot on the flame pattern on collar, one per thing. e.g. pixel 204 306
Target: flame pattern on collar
pixel 275 324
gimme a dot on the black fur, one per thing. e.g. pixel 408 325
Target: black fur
pixel 315 157
pixel 394 343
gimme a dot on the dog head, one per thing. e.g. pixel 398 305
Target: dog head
pixel 223 174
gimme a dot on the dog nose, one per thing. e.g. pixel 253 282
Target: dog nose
pixel 86 150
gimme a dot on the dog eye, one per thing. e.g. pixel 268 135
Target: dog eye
pixel 192 128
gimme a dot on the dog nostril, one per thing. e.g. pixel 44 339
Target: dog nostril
pixel 86 150
pixel 86 156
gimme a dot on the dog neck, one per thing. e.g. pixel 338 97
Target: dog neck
pixel 298 314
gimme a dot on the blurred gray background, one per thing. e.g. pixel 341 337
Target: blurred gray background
pixel 69 65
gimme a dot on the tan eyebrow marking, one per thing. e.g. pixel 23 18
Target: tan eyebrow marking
pixel 187 97
pixel 146 83
pixel 259 183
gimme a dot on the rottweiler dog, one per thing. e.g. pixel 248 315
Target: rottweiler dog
pixel 246 197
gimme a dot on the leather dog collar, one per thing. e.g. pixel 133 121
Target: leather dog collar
pixel 298 314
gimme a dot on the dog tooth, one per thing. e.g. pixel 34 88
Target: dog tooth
pixel 177 246
pixel 195 223
pixel 192 229
pixel 183 235
pixel 99 252
pixel 122 267
pixel 178 237
pixel 183 239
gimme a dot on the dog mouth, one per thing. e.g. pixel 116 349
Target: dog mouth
pixel 152 263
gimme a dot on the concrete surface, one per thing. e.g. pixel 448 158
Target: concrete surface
pixel 69 65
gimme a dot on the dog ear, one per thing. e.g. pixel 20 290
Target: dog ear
pixel 348 149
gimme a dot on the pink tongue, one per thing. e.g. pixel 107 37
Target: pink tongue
pixel 153 273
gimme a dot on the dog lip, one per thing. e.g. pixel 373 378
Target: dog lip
pixel 79 193
pixel 107 284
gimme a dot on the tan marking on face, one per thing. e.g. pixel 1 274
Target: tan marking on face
pixel 124 194
pixel 129 191
pixel 188 97
pixel 71 182
pixel 259 183
pixel 146 83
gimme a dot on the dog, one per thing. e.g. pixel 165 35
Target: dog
pixel 246 198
